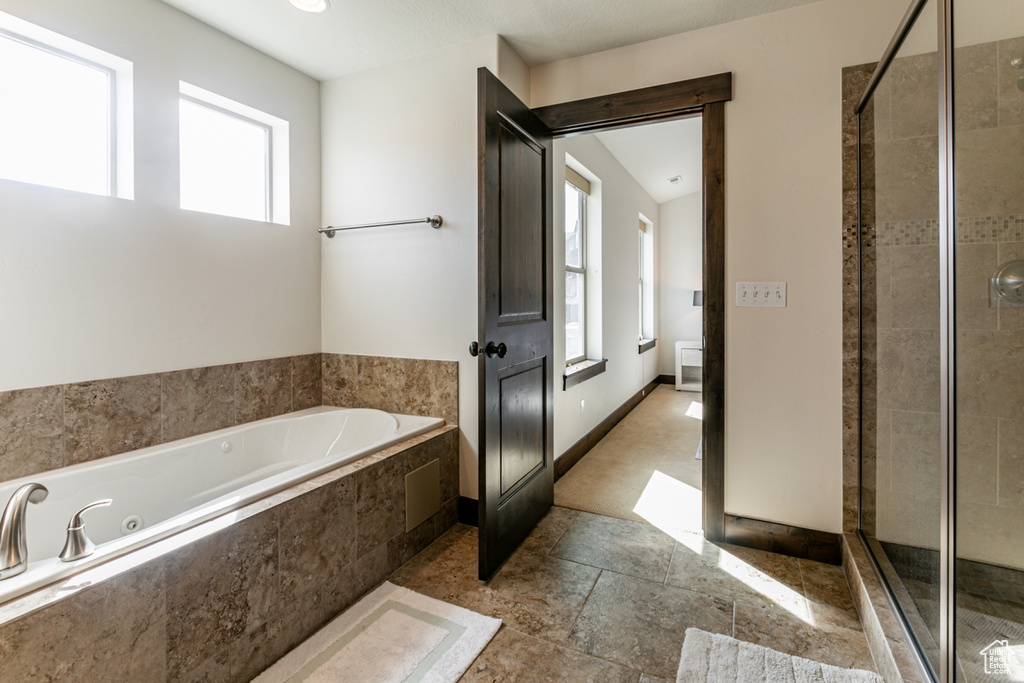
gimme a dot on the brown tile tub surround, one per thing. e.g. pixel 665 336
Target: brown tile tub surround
pixel 49 427
pixel 46 428
pixel 411 386
pixel 228 604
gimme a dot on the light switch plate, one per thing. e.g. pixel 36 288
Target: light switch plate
pixel 761 294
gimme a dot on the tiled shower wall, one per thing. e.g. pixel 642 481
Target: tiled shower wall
pixel 49 427
pixel 901 301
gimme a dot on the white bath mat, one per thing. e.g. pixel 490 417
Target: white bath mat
pixel 393 634
pixel 713 658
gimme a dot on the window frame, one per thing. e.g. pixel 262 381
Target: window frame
pixel 645 280
pixel 268 148
pixel 582 271
pixel 278 141
pixel 112 103
pixel 640 280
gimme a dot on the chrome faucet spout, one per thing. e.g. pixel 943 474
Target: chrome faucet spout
pixel 13 541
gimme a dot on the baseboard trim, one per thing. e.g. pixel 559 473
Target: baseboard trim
pixel 806 544
pixel 576 452
pixel 666 379
pixel 469 511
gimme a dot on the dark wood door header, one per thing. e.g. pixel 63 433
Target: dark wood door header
pixel 644 105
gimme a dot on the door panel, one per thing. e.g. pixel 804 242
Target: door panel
pixel 516 386
pixel 522 246
pixel 522 417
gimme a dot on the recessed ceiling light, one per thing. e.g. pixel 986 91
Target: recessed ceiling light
pixel 311 5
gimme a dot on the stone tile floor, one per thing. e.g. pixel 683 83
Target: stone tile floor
pixel 593 598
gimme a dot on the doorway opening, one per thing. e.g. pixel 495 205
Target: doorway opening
pixel 516 284
pixel 633 278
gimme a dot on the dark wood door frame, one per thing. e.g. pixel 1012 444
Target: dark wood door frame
pixel 705 97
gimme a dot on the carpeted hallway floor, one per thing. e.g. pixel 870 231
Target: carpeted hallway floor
pixel 644 470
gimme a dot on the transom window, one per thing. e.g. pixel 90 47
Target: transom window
pixel 229 156
pixel 59 112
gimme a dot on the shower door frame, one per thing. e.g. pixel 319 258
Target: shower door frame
pixel 947 336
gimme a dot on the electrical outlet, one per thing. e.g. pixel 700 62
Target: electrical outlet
pixel 761 294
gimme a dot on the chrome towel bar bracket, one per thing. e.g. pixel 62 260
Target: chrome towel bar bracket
pixel 433 221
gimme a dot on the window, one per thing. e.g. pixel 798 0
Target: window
pixel 577 189
pixel 63 122
pixel 640 278
pixel 645 268
pixel 231 158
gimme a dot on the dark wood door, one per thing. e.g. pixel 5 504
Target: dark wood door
pixel 516 332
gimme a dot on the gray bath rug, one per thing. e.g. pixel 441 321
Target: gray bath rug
pixel 713 658
pixel 393 634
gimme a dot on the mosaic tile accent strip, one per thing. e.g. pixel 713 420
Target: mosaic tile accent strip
pixel 970 230
pixel 907 233
pixel 979 229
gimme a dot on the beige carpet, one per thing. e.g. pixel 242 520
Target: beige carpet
pixel 713 658
pixel 644 470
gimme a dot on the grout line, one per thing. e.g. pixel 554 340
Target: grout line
pixel 160 412
pixel 672 557
pixel 562 535
pixel 64 424
pixel 583 605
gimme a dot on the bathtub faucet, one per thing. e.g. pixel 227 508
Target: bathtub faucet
pixel 13 543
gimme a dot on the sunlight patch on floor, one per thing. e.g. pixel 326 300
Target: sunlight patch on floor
pixel 751 577
pixel 670 505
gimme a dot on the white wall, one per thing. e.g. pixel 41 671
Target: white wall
pixel 400 141
pixel 783 216
pixel 622 200
pixel 680 254
pixel 94 287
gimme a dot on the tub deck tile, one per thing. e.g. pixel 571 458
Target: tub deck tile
pixel 380 504
pixel 219 590
pixel 114 632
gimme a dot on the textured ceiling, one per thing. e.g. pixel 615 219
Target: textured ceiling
pixel 654 153
pixel 354 35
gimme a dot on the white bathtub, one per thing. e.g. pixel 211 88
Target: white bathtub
pixel 177 485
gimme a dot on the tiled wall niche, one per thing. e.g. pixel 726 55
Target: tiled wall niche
pixel 50 427
pixel 240 594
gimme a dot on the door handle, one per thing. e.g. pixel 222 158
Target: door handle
pixel 474 349
pixel 493 349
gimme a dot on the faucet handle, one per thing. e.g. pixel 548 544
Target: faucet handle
pixel 78 544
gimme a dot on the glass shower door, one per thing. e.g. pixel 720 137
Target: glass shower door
pixel 901 458
pixel 988 92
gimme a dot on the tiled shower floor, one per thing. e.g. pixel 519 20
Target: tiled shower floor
pixel 593 598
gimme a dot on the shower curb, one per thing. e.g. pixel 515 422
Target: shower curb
pixel 892 655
